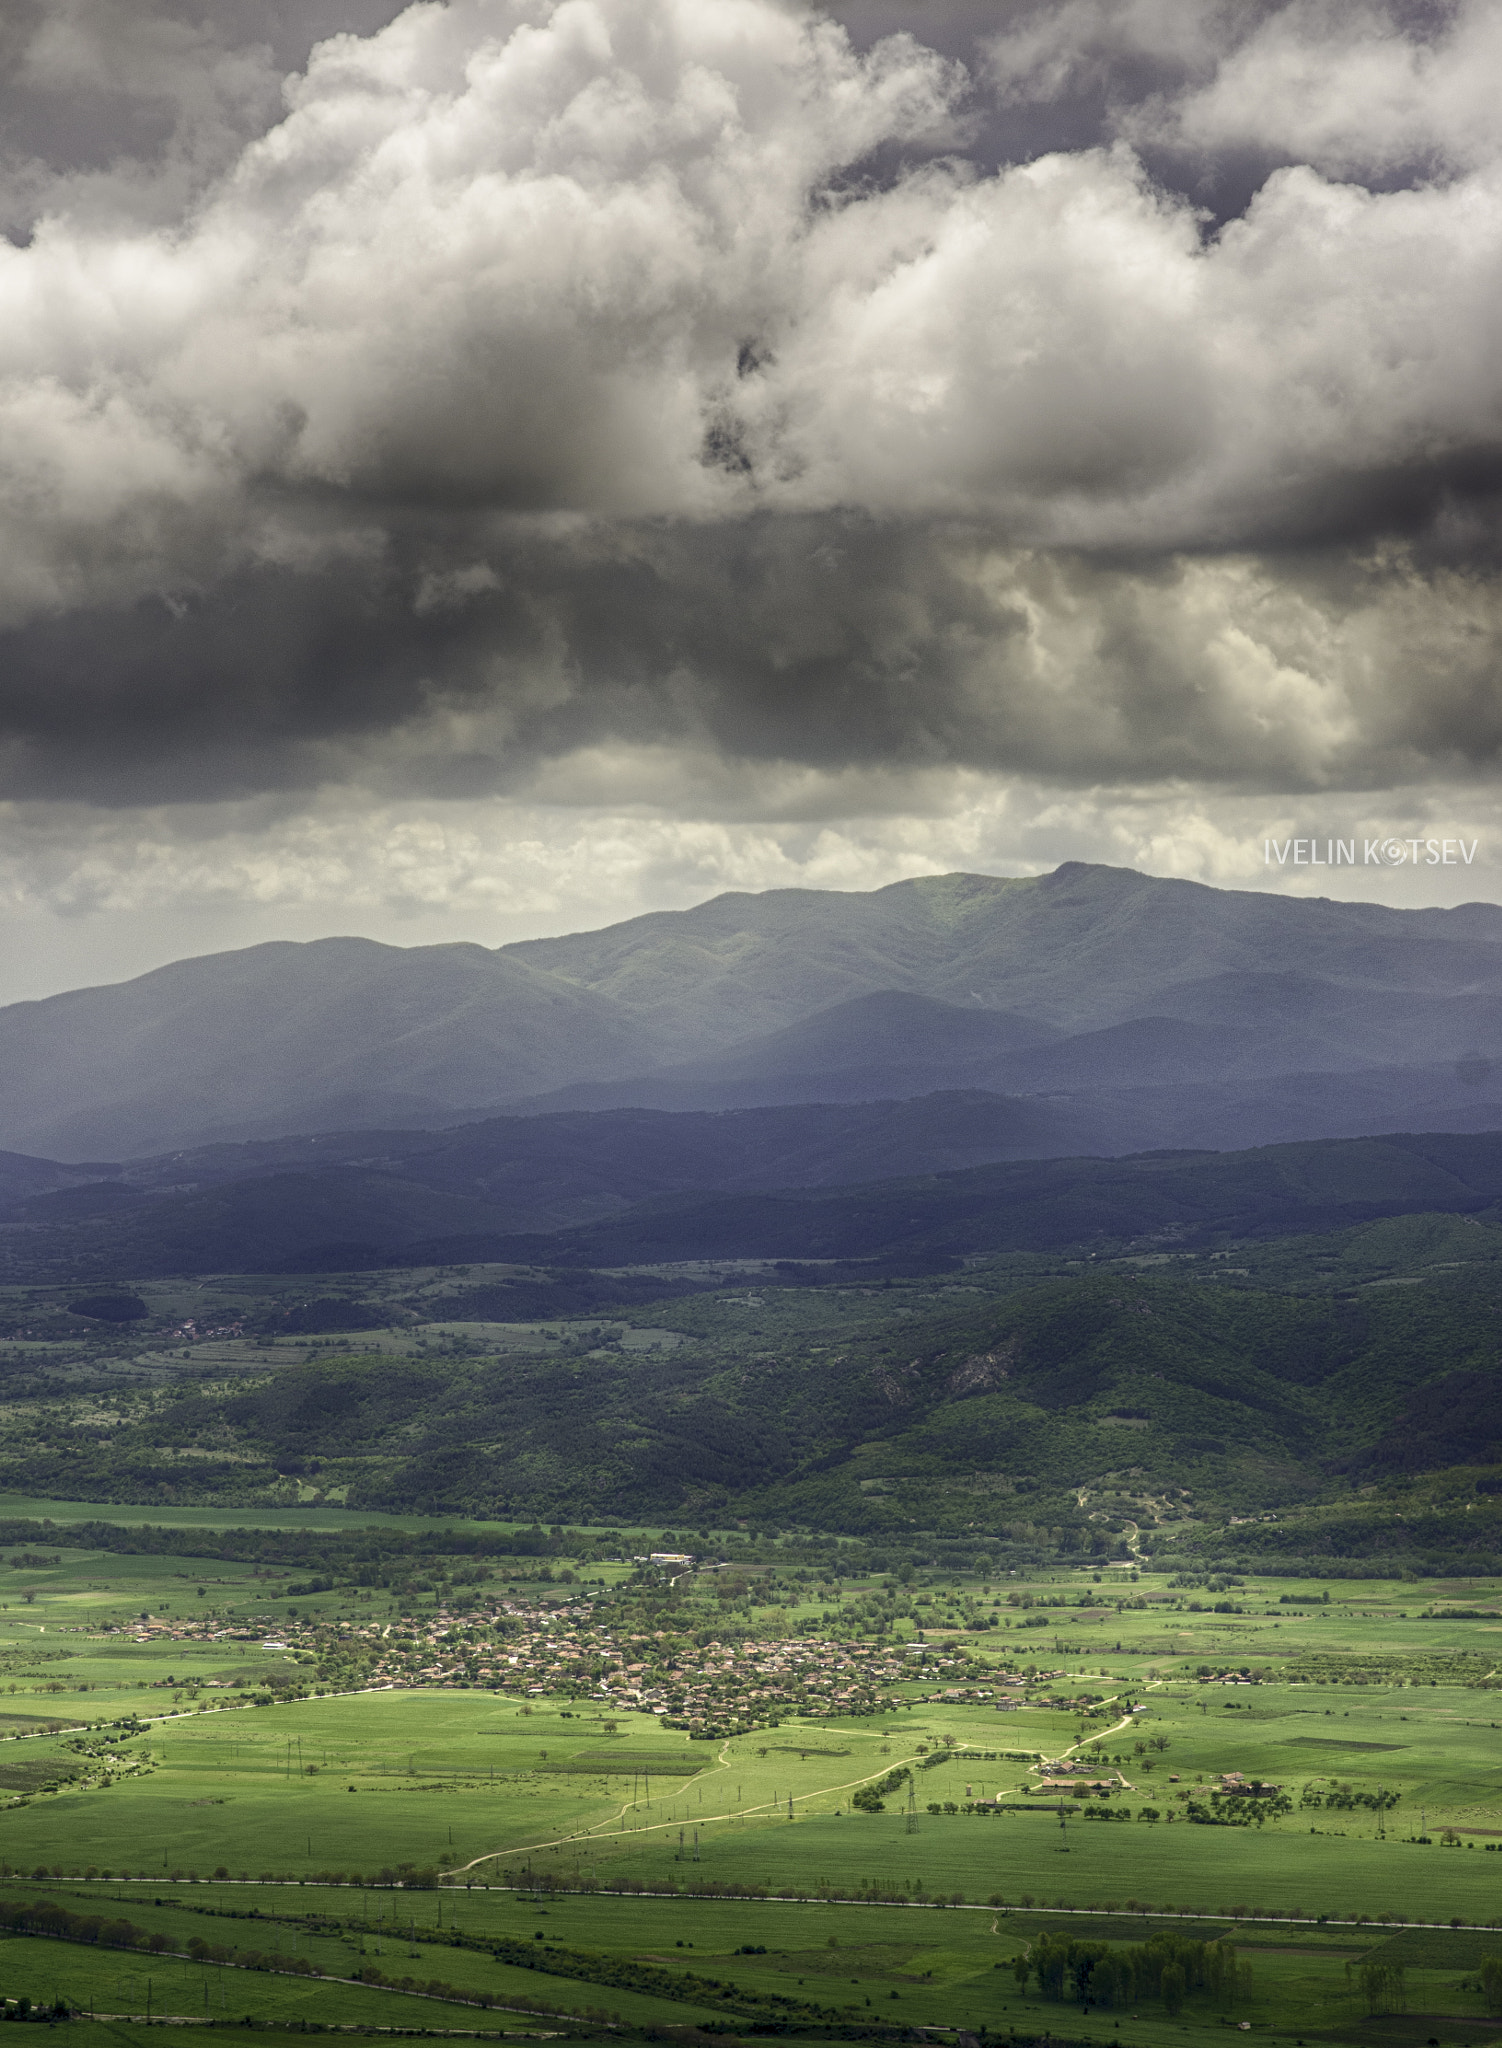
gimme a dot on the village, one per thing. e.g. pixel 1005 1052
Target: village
pixel 708 1689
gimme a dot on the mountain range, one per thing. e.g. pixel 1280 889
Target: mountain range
pixel 1115 1012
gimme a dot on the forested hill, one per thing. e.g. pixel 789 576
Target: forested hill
pixel 1038 1205
pixel 1318 1399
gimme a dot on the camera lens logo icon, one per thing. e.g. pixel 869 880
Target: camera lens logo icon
pixel 1394 852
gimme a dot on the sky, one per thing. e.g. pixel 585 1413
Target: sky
pixel 494 467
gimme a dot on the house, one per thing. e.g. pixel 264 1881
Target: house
pixel 1233 1784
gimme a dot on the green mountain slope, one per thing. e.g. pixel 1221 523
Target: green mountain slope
pixel 1068 1415
pixel 1079 948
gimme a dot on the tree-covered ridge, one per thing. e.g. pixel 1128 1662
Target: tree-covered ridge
pixel 405 1207
pixel 1073 1414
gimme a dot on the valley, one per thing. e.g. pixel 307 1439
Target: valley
pixel 230 1792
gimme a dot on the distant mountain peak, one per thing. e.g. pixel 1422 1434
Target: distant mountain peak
pixel 1018 985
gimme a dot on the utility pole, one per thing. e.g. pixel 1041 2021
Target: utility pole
pixel 911 1819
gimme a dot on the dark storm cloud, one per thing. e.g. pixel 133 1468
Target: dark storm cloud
pixel 841 642
pixel 529 375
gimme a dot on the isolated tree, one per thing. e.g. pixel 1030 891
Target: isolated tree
pixel 1491 1983
pixel 1382 1987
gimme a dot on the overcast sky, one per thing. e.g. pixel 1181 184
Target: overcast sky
pixel 497 466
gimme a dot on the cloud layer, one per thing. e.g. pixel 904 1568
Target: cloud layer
pixel 87 895
pixel 526 379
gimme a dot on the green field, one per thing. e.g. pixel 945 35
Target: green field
pixel 249 1769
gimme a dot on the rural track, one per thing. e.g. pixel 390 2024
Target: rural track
pixel 606 1832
